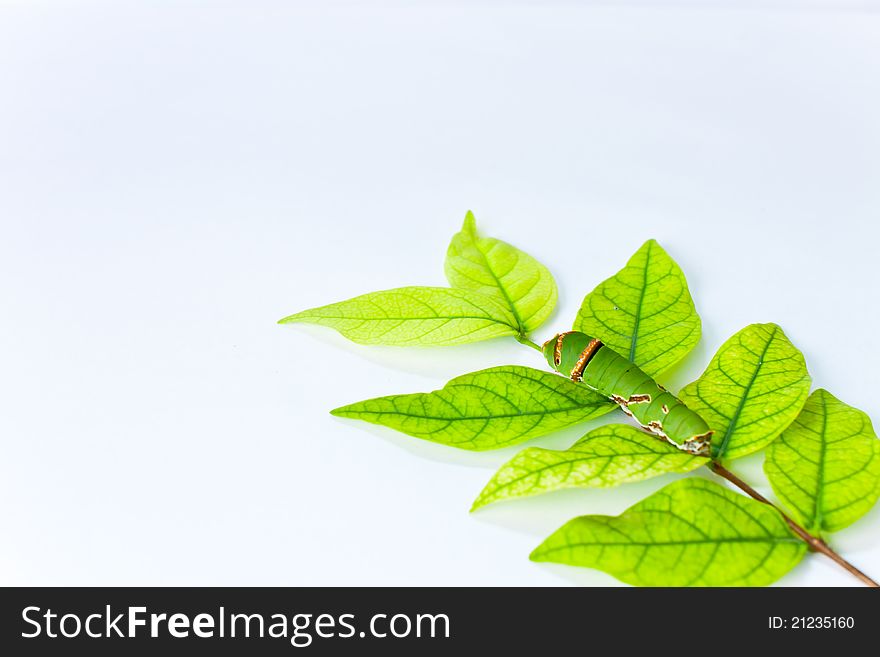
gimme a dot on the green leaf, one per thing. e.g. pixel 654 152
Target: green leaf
pixel 610 455
pixel 753 388
pixel 644 312
pixel 826 466
pixel 692 532
pixel 483 410
pixel 492 267
pixel 410 316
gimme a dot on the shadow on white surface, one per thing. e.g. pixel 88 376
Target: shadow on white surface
pixel 490 459
pixel 436 363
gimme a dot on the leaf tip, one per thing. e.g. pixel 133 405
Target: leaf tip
pixel 539 554
pixel 342 411
pixel 470 223
pixel 822 393
pixel 772 329
pixel 479 503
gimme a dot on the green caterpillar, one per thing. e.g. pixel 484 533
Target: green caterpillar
pixel 586 360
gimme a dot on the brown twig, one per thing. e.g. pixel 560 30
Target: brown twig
pixel 816 544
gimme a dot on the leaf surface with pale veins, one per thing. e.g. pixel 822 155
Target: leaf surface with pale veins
pixel 414 316
pixel 607 456
pixel 692 532
pixel 826 466
pixel 753 388
pixel 484 410
pixel 495 268
pixel 644 312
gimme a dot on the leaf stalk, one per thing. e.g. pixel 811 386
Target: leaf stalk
pixel 524 339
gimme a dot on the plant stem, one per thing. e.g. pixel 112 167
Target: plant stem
pixel 815 543
pixel 524 339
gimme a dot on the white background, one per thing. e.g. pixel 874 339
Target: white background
pixel 175 177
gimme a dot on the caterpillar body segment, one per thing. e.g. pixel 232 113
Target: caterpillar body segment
pixel 586 360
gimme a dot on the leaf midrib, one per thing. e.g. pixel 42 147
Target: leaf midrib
pixel 820 470
pixel 520 325
pixel 638 317
pixel 571 461
pixel 742 402
pixel 774 540
pixel 487 318
pixel 465 417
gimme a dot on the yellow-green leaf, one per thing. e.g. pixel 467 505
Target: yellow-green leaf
pixel 644 312
pixel 753 388
pixel 692 532
pixel 826 466
pixel 492 267
pixel 607 456
pixel 483 410
pixel 410 316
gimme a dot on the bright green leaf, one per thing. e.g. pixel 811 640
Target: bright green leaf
pixel 495 268
pixel 644 312
pixel 410 316
pixel 753 388
pixel 610 455
pixel 826 466
pixel 692 532
pixel 483 410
